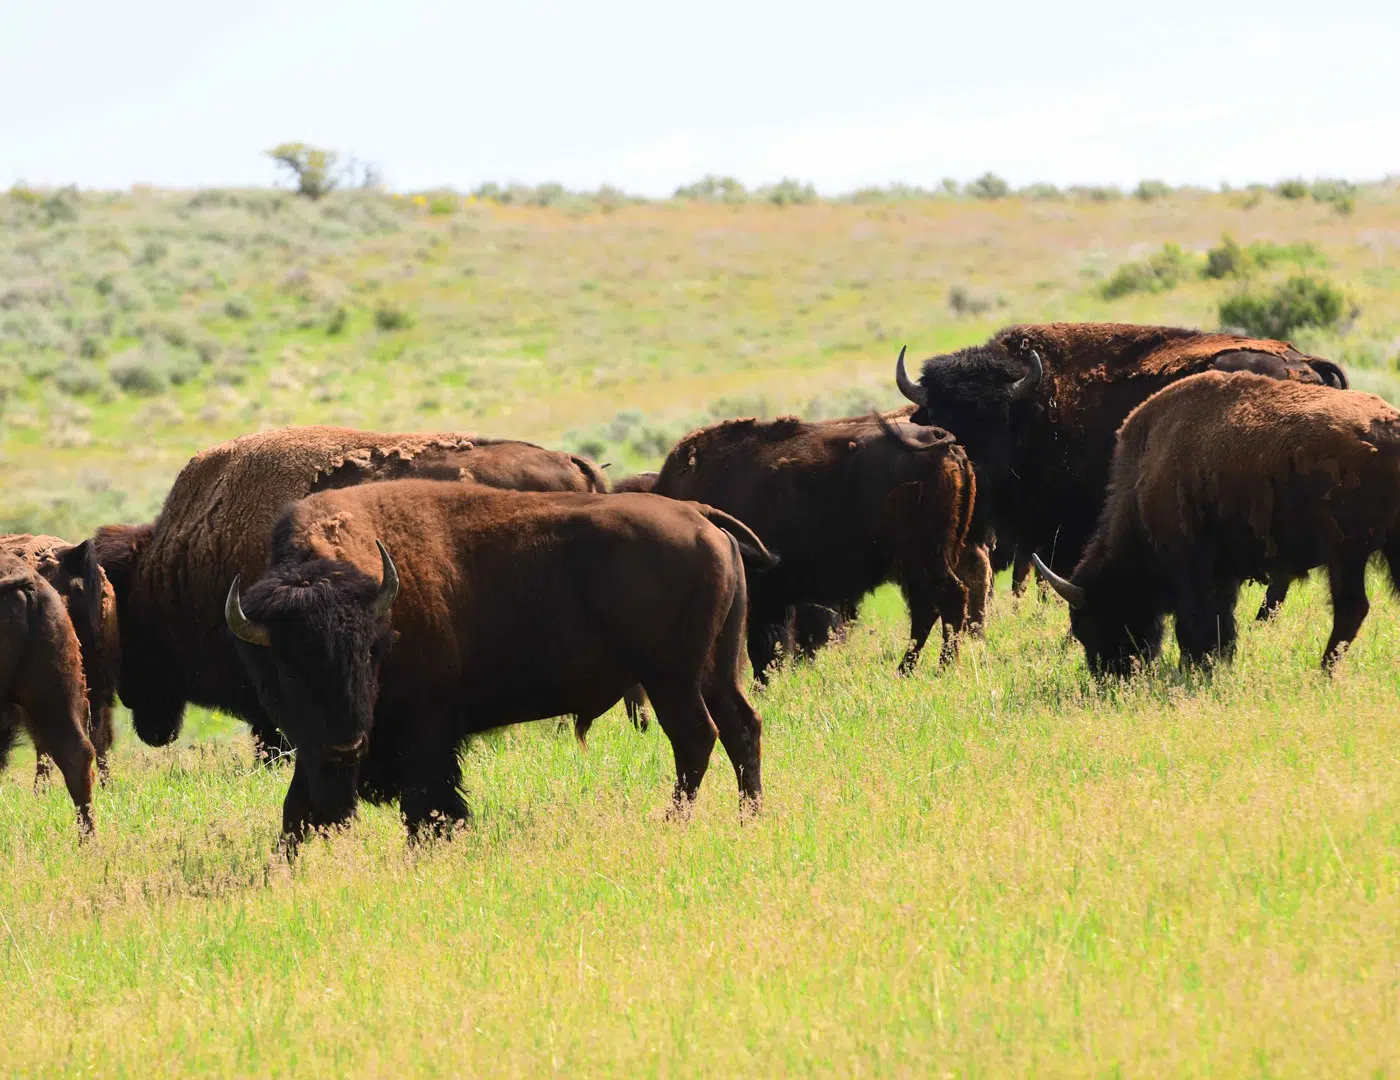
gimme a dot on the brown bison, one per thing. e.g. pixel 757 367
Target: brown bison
pixel 41 680
pixel 75 575
pixel 1037 408
pixel 506 607
pixel 170 577
pixel 848 505
pixel 638 482
pixel 1222 478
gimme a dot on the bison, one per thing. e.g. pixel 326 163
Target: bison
pixel 848 505
pixel 73 572
pixel 170 577
pixel 1221 478
pixel 1037 408
pixel 505 607
pixel 41 680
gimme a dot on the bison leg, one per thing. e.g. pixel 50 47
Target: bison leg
pixel 269 744
pixel 927 602
pixel 635 702
pixel 1020 572
pixel 1347 579
pixel 55 735
pixel 1274 597
pixel 683 716
pixel 431 803
pixel 102 738
pixel 740 729
pixel 975 572
pixel 770 638
pixel 296 807
pixel 1205 621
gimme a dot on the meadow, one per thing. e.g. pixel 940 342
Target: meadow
pixel 997 868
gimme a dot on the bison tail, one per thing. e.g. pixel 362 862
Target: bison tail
pixel 756 556
pixel 597 482
pixel 1330 373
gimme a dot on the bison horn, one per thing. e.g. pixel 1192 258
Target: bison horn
pixel 389 587
pixel 1072 594
pixel 244 628
pixel 907 386
pixel 1026 384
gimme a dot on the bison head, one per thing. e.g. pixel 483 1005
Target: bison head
pixel 981 395
pixel 1118 622
pixel 312 636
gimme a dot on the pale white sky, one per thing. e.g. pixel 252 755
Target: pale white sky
pixel 649 95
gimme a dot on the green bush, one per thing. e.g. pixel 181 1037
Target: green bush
pixel 1229 259
pixel 788 192
pixel 139 371
pixel 714 189
pixel 391 317
pixel 1163 270
pixel 1041 192
pixel 79 377
pixel 988 186
pixel 1301 301
pixel 1095 192
pixel 1292 189
pixel 1147 190
pixel 313 169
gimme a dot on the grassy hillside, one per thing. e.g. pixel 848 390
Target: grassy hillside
pixel 1000 868
pixel 136 328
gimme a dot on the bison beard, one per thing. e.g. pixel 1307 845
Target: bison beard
pixel 1042 445
pixel 1223 478
pixel 514 607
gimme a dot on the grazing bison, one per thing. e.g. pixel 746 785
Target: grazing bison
pixel 1037 408
pixel 73 572
pixel 41 680
pixel 170 577
pixel 1226 477
pixel 510 607
pixel 848 505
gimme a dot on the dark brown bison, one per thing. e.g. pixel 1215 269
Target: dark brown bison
pixel 41 680
pixel 1037 408
pixel 170 577
pixel 506 607
pixel 73 572
pixel 1222 478
pixel 848 505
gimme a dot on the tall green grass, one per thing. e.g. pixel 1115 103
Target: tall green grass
pixel 996 868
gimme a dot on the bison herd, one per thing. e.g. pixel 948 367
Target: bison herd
pixel 372 600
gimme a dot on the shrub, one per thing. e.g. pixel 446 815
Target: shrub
pixel 1298 302
pixel 1292 189
pixel 788 192
pixel 139 371
pixel 312 168
pixel 1095 192
pixel 1147 190
pixel 963 301
pixel 78 377
pixel 388 316
pixel 988 186
pixel 338 318
pixel 1159 272
pixel 1228 259
pixel 237 307
pixel 714 189
pixel 1041 192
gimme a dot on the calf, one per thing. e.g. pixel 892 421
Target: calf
pixel 41 680
pixel 74 573
pixel 1222 478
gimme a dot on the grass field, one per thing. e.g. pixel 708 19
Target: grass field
pixel 1000 868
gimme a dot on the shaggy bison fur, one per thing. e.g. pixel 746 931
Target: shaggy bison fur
pixel 503 607
pixel 170 577
pixel 1223 478
pixel 41 680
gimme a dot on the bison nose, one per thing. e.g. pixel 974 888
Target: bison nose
pixel 350 752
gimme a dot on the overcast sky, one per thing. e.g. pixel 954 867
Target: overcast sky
pixel 649 95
